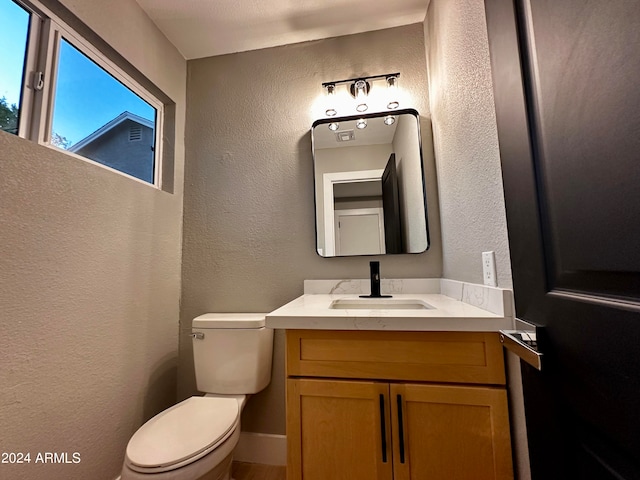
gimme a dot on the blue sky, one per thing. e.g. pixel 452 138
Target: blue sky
pixel 86 96
pixel 14 25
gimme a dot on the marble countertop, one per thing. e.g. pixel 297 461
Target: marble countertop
pixel 313 311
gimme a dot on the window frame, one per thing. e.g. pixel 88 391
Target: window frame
pixel 46 30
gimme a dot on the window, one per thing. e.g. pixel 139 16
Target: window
pixel 73 97
pixel 94 112
pixel 13 38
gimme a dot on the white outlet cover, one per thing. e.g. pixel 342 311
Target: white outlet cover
pixel 489 276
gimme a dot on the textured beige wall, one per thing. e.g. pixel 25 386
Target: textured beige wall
pixel 249 235
pixel 468 163
pixel 89 283
pixel 466 141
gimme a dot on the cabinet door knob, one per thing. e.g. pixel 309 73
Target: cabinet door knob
pixel 400 428
pixel 383 430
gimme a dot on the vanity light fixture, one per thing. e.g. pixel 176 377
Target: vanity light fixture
pixel 334 126
pixel 392 88
pixel 331 99
pixel 362 123
pixel 360 89
pixel 389 120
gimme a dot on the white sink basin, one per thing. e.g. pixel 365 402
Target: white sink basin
pixel 379 304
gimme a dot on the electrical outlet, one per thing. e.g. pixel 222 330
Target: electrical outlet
pixel 489 269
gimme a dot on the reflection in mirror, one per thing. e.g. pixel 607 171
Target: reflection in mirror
pixel 369 185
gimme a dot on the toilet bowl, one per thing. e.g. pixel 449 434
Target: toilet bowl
pixel 195 439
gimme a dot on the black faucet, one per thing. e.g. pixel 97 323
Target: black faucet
pixel 375 282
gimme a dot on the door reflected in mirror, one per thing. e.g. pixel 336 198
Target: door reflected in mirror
pixel 369 185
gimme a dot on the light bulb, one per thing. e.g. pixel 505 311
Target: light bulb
pixel 331 99
pixel 389 120
pixel 362 123
pixel 361 88
pixel 392 89
pixel 334 126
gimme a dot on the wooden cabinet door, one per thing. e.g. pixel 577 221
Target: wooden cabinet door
pixel 338 430
pixel 450 433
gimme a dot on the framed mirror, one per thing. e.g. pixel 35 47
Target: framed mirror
pixel 369 185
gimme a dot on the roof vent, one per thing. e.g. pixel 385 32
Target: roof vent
pixel 345 136
pixel 135 133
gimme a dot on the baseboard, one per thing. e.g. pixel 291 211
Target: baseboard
pixel 263 448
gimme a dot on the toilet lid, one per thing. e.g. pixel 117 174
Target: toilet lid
pixel 183 431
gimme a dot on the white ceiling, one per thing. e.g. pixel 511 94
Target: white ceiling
pixel 203 28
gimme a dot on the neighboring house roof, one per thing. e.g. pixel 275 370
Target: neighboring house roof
pixel 124 116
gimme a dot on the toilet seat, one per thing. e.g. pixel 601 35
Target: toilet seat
pixel 182 434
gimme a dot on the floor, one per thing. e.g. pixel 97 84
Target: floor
pixel 254 471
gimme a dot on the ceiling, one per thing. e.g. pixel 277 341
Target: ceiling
pixel 204 28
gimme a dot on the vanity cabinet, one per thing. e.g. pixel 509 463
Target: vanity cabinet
pixel 396 405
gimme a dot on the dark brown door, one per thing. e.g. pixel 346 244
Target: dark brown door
pixel 391 207
pixel 567 90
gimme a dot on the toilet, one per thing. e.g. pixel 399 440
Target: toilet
pixel 195 439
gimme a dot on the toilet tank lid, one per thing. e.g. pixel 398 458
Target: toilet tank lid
pixel 230 320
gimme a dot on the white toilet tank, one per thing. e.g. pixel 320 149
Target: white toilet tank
pixel 232 352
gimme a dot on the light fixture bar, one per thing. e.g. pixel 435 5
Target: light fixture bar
pixel 352 80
